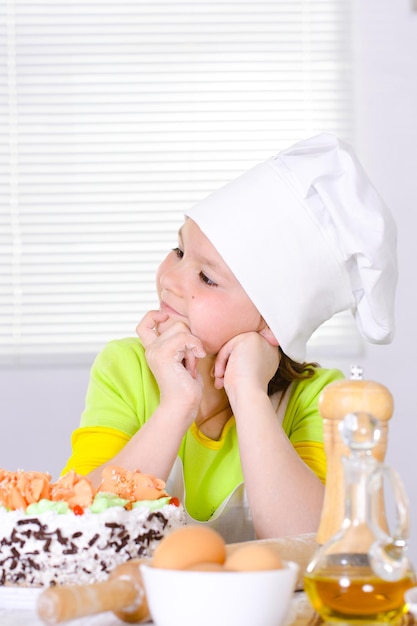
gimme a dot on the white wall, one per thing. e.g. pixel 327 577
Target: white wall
pixel 386 132
pixel 40 407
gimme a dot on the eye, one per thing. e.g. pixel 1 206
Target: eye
pixel 205 279
pixel 178 252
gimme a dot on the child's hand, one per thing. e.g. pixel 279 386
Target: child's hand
pixel 172 357
pixel 245 363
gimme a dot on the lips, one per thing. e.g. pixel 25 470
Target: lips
pixel 166 308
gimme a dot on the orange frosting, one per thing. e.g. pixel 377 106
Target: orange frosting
pixel 73 489
pixel 131 485
pixel 19 489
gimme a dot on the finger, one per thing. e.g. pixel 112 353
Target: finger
pixel 147 329
pixel 219 369
pixel 219 382
pixel 189 353
pixel 190 363
pixel 222 360
pixel 193 352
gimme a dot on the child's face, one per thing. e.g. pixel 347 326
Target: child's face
pixel 196 286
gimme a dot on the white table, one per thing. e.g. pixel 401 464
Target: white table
pixel 18 608
pixel 301 614
pixel 15 617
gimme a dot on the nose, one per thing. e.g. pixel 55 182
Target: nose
pixel 171 275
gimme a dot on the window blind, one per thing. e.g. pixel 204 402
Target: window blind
pixel 118 116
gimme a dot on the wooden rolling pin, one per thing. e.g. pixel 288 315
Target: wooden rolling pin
pixel 336 401
pixel 124 593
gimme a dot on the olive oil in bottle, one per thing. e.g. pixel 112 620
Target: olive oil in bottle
pixel 341 596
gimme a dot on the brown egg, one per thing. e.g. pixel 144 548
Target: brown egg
pixel 253 557
pixel 206 567
pixel 188 546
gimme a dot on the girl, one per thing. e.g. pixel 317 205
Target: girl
pixel 214 396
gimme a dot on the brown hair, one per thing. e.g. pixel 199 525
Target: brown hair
pixel 288 371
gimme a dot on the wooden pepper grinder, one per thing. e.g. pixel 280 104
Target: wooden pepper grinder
pixel 337 400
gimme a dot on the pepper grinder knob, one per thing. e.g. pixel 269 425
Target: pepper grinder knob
pixel 337 400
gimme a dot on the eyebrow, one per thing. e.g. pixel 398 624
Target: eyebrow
pixel 204 260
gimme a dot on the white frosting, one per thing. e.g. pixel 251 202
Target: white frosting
pixel 50 548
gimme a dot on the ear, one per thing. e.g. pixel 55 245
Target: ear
pixel 267 333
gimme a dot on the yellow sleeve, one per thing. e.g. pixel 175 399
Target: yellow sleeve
pixel 312 453
pixel 122 395
pixel 108 440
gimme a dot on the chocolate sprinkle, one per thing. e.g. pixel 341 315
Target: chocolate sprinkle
pixel 65 549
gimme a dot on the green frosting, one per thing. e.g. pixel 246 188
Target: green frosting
pixel 153 505
pixel 36 508
pixel 103 501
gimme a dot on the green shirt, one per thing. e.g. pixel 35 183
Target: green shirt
pixel 123 394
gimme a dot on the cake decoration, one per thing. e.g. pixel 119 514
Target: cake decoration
pixel 68 532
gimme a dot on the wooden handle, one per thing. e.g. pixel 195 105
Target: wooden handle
pixel 336 401
pixel 123 593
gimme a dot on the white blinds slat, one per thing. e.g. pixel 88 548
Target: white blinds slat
pixel 115 118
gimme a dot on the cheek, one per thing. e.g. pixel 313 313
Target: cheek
pixel 215 323
pixel 208 323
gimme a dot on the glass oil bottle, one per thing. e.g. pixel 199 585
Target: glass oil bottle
pixel 360 574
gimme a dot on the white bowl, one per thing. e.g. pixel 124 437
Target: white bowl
pixel 195 598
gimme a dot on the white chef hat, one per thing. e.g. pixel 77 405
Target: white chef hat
pixel 307 236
